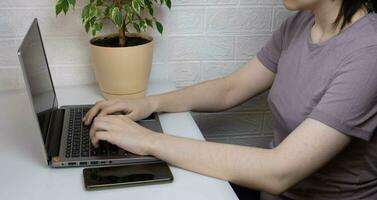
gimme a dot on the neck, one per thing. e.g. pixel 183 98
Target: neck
pixel 325 13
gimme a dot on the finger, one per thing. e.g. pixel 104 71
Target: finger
pixel 132 115
pixel 110 109
pixel 112 118
pixel 99 124
pixel 100 135
pixel 130 118
pixel 93 111
pixel 95 105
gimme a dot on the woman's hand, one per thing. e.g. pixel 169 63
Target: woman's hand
pixel 135 109
pixel 123 132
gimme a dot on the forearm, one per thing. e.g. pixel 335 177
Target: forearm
pixel 218 94
pixel 247 166
pixel 308 148
pixel 207 96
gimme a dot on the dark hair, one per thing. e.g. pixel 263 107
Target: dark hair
pixel 350 7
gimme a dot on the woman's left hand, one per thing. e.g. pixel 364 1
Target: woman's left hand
pixel 123 132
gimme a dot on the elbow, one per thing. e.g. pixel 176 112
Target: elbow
pixel 277 188
pixel 228 100
pixel 281 179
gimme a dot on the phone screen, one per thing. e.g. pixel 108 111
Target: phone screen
pixel 129 175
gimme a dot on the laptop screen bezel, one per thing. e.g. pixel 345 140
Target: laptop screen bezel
pixel 28 87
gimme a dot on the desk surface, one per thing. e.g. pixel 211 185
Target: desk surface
pixel 24 175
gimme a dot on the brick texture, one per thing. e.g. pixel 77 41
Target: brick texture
pixel 203 40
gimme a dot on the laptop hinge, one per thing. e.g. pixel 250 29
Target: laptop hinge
pixel 54 133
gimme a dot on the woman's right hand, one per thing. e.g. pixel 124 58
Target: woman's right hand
pixel 136 109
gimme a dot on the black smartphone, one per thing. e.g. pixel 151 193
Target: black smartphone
pixel 128 175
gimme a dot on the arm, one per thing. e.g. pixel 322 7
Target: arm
pixel 218 94
pixel 214 95
pixel 346 110
pixel 309 147
pixel 304 151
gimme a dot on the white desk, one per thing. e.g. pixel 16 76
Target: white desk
pixel 24 176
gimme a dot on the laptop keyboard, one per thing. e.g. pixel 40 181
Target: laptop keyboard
pixel 78 140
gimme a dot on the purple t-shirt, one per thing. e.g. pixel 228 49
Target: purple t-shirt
pixel 334 82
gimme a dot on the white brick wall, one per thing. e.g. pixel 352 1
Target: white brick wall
pixel 203 39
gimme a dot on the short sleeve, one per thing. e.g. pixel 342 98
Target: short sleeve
pixel 350 101
pixel 269 55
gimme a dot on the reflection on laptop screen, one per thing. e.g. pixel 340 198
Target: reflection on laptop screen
pixel 37 76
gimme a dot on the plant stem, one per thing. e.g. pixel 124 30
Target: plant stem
pixel 122 30
pixel 122 37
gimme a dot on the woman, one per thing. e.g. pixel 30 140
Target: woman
pixel 321 66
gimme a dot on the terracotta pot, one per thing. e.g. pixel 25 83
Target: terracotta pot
pixel 122 71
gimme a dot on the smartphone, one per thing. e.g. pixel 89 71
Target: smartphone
pixel 128 175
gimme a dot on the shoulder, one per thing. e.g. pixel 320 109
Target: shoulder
pixel 360 64
pixel 362 38
pixel 372 18
pixel 368 32
pixel 357 54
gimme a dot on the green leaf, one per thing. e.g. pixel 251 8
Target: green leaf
pixel 136 6
pixel 92 11
pixel 87 26
pixel 98 26
pixel 149 5
pixel 61 5
pixel 107 11
pixel 99 2
pixel 72 2
pixel 129 13
pixel 159 26
pixel 149 22
pixel 168 3
pixel 143 25
pixel 139 14
pixel 65 6
pixel 117 17
pixel 58 8
pixel 92 21
pixel 142 3
pixel 85 12
pixel 137 27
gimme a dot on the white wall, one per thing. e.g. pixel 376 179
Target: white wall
pixel 203 39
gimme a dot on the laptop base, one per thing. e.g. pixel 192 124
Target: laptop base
pixel 107 154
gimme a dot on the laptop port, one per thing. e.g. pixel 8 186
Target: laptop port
pixel 83 163
pixel 103 162
pixel 71 163
pixel 94 162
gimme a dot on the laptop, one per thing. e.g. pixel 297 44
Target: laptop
pixel 65 138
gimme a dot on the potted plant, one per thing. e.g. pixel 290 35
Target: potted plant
pixel 122 60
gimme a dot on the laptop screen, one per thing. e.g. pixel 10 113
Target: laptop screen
pixel 37 76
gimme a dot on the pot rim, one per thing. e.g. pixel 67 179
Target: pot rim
pixel 150 38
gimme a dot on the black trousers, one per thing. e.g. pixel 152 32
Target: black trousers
pixel 244 193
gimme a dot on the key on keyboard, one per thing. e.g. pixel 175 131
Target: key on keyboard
pixel 78 140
